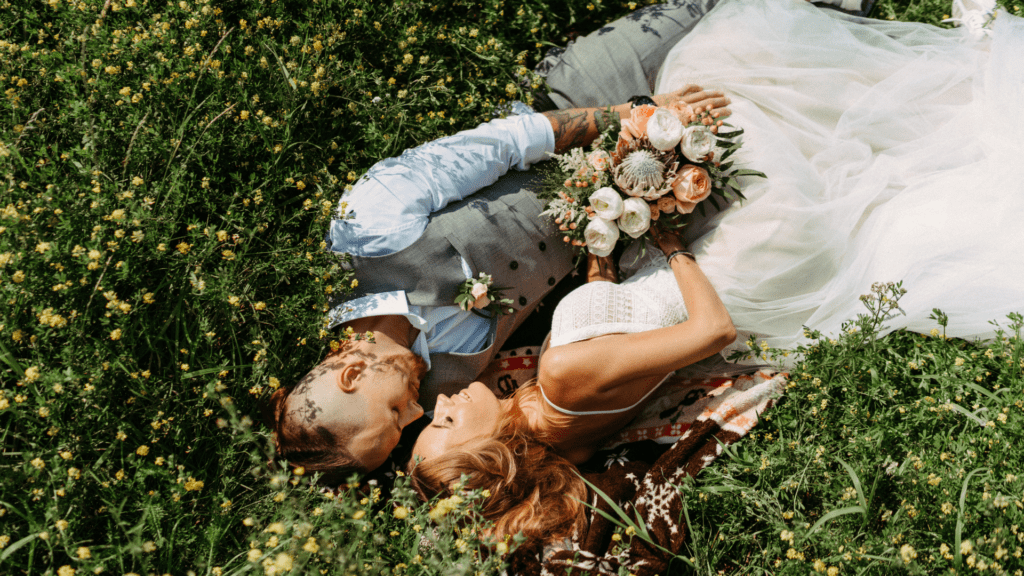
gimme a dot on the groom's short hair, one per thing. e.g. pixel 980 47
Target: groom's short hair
pixel 311 445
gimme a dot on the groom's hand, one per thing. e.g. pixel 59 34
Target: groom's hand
pixel 697 98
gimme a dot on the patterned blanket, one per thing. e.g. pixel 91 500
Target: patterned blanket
pixel 682 430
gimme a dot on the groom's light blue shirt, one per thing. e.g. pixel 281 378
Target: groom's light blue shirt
pixel 390 206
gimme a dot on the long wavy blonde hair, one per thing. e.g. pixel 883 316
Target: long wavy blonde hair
pixel 532 489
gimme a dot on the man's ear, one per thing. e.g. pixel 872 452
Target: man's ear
pixel 348 375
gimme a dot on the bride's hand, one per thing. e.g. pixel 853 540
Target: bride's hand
pixel 697 97
pixel 668 240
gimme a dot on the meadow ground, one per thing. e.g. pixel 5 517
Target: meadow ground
pixel 169 171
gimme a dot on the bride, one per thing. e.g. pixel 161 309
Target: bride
pixel 892 152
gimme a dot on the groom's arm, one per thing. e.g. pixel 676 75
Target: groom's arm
pixel 389 207
pixel 580 126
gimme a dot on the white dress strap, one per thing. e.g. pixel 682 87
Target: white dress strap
pixel 600 412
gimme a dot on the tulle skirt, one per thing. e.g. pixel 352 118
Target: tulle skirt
pixel 894 152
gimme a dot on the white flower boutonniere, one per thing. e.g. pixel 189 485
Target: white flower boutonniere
pixel 481 294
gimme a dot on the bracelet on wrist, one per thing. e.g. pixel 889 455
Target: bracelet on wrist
pixel 681 253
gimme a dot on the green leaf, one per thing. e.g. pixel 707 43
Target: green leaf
pixel 957 558
pixel 748 172
pixel 8 358
pixel 966 412
pixel 14 547
pixel 212 370
pixel 831 515
pixel 982 391
pixel 639 527
pixel 856 485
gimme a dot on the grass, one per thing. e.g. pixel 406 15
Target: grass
pixel 169 170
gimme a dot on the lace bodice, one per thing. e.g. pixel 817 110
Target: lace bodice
pixel 648 299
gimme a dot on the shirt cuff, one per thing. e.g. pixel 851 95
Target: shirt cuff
pixel 540 136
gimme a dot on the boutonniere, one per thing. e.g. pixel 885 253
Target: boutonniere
pixel 481 294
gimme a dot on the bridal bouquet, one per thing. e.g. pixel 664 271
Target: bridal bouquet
pixel 665 161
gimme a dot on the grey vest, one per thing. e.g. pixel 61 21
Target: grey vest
pixel 498 231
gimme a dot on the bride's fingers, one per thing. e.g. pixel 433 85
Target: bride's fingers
pixel 697 97
pixel 680 94
pixel 688 89
pixel 714 98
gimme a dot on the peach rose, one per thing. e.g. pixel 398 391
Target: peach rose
pixel 599 160
pixel 691 186
pixel 636 126
pixel 655 213
pixel 622 145
pixel 667 204
pixel 683 111
pixel 479 291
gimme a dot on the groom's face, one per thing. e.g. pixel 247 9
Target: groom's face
pixel 389 392
pixel 364 397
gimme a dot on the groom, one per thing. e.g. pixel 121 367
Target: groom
pixel 420 224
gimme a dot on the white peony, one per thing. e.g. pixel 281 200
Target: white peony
pixel 607 203
pixel 636 217
pixel 697 142
pixel 601 236
pixel 664 130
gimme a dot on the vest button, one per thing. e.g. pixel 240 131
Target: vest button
pixel 513 265
pixel 551 281
pixel 522 300
pixel 542 246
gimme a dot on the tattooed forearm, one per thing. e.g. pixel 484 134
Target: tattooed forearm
pixel 573 128
pixel 580 126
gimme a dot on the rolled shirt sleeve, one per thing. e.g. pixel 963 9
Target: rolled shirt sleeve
pixel 388 209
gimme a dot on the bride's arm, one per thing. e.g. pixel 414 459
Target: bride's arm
pixel 615 371
pixel 601 268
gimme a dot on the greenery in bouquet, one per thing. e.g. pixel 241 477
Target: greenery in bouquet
pixel 659 165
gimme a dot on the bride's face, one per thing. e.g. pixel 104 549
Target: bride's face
pixel 470 414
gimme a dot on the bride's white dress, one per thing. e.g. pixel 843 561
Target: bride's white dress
pixel 894 151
